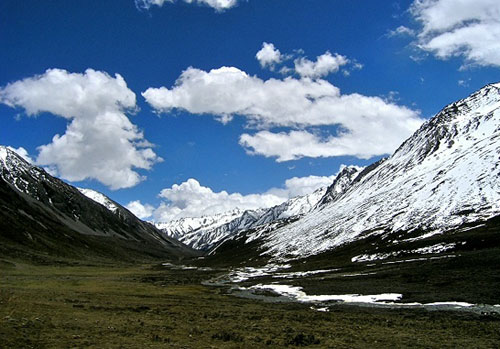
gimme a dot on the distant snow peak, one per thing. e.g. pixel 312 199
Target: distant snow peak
pixel 206 232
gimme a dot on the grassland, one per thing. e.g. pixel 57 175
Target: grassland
pixel 149 306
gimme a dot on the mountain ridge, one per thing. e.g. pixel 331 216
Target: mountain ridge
pixel 442 177
pixel 41 213
pixel 207 237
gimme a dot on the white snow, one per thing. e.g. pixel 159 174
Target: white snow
pixel 445 175
pixel 457 304
pixel 3 154
pixel 296 293
pixel 99 198
pixel 246 273
pixel 16 168
pixel 207 231
pixel 437 248
pixel 299 274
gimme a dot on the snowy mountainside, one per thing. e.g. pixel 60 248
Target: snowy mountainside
pixel 99 198
pixel 17 171
pixel 206 232
pixel 297 206
pixel 446 174
pixel 179 228
pixel 204 239
pixel 341 183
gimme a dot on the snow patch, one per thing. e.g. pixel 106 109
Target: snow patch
pixel 437 248
pixel 99 198
pixel 296 293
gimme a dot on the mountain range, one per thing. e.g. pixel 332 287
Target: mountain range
pixel 206 232
pixel 445 176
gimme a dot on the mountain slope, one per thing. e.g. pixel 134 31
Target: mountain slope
pixel 100 199
pixel 40 213
pixel 445 176
pixel 206 232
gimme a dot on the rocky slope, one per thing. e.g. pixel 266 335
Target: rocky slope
pixel 445 175
pixel 41 213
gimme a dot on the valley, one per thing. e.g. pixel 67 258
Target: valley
pixel 403 252
pixel 85 305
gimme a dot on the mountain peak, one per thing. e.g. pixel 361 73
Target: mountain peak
pixel 341 183
pixel 444 175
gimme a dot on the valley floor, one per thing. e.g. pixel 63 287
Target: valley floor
pixel 150 306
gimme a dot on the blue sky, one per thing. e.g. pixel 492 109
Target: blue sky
pixel 385 67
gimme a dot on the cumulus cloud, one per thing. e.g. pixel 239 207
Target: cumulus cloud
pixel 218 5
pixel 365 126
pixel 269 56
pixel 363 142
pixel 100 142
pixel 139 210
pixel 324 65
pixel 299 186
pixel 191 199
pixel 468 28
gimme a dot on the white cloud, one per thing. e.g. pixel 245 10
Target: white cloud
pixel 100 142
pixel 468 28
pixel 22 153
pixel 324 65
pixel 366 126
pixel 228 91
pixel 401 31
pixel 139 210
pixel 269 56
pixel 380 137
pixel 190 199
pixel 299 186
pixel 218 5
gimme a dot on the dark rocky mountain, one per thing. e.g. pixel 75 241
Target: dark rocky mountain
pixel 42 215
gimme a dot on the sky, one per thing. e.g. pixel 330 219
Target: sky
pixel 178 108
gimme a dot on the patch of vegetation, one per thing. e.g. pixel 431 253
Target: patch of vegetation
pixel 150 306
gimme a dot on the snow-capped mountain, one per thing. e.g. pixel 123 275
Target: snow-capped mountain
pixel 204 239
pixel 294 207
pixel 446 174
pixel 38 209
pixel 206 232
pixel 342 182
pixel 181 227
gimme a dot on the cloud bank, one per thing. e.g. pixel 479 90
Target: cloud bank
pixel 364 126
pixel 100 142
pixel 191 199
pixel 467 28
